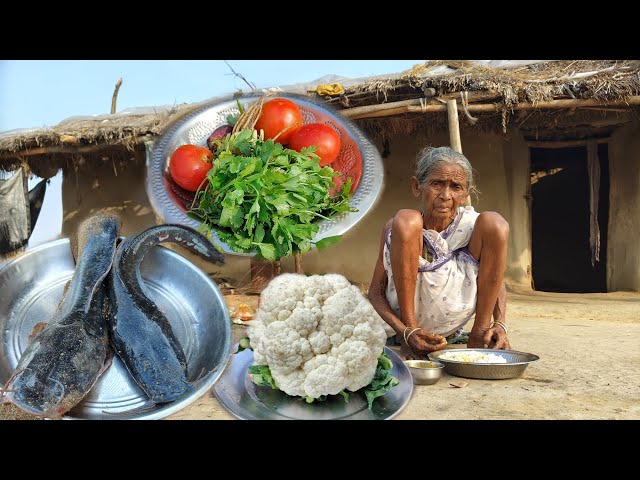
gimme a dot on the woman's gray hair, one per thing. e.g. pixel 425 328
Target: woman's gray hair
pixel 431 157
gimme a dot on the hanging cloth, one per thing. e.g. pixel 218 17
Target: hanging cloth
pixel 15 218
pixel 593 166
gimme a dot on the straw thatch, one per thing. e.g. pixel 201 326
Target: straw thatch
pixel 504 84
pixel 533 82
pixel 499 89
pixel 81 140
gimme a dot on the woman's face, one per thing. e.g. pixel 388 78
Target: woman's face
pixel 443 191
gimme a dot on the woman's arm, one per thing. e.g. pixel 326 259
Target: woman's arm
pixel 420 341
pixel 378 287
pixel 488 245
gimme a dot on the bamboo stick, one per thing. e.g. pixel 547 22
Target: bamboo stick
pixel 115 96
pixel 454 132
pixel 390 108
pixel 454 126
pixel 298 262
pixel 492 107
pixel 65 150
pixel 384 107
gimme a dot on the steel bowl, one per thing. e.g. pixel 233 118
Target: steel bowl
pixel 357 154
pixel 425 372
pixel 516 364
pixel 32 284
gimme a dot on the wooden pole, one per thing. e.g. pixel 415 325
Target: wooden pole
pixel 490 107
pixel 115 96
pixel 551 104
pixel 383 109
pixel 454 126
pixel 386 109
pixel 454 132
pixel 298 261
pixel 71 150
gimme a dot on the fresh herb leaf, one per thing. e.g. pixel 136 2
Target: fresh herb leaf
pixel 232 119
pixel 268 252
pixel 327 241
pixel 261 375
pixel 260 195
pixel 382 381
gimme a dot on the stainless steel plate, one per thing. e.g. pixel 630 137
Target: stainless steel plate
pixel 516 364
pixel 247 401
pixel 31 286
pixel 196 127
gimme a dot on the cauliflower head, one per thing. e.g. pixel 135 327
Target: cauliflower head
pixel 318 334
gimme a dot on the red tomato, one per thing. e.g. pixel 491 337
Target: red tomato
pixel 189 165
pixel 277 115
pixel 322 136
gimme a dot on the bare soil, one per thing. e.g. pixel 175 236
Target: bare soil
pixel 589 367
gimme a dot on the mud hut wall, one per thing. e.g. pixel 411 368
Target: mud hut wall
pixel 517 168
pixel 502 172
pixel 122 190
pixel 502 167
pixel 623 251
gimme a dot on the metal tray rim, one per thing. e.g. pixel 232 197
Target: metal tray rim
pixel 364 199
pixel 200 387
pixel 237 367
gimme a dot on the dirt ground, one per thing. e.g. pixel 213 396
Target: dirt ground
pixel 589 367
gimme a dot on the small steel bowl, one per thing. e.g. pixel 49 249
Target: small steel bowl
pixel 425 372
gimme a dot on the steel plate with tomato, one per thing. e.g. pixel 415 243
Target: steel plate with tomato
pixel 357 159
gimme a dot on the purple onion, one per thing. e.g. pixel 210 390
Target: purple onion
pixel 218 133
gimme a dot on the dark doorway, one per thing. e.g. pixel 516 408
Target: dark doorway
pixel 561 254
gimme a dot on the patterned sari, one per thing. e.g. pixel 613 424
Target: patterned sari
pixel 446 290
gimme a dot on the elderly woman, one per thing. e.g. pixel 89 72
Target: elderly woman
pixel 438 267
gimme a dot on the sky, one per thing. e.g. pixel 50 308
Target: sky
pixel 39 93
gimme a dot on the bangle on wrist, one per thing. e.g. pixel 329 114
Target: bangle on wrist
pixel 504 327
pixel 406 337
pixel 404 333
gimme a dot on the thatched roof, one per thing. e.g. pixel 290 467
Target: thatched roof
pixel 477 85
pixel 513 81
pixel 542 98
pixel 77 140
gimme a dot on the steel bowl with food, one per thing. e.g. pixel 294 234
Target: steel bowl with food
pixel 425 372
pixel 484 363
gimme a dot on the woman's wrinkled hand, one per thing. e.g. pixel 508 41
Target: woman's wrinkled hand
pixel 494 337
pixel 423 342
